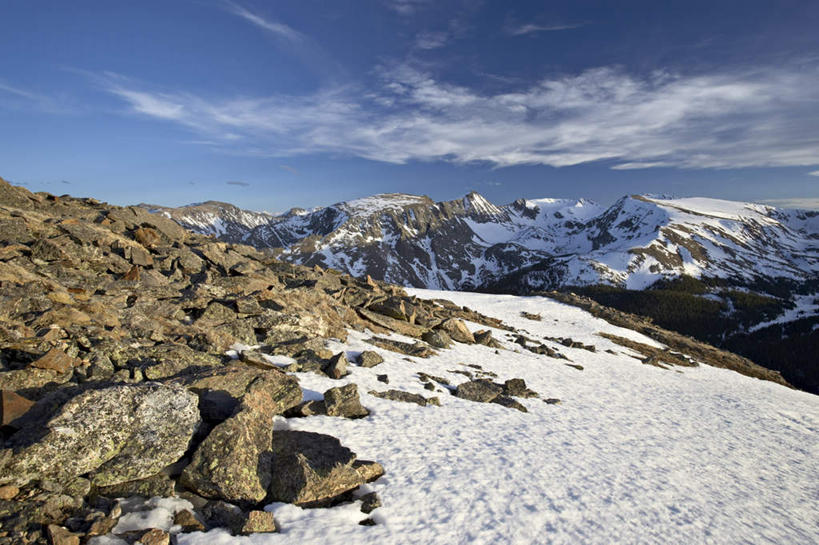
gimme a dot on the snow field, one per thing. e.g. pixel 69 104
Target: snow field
pixel 634 454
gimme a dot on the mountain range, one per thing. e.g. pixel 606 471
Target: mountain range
pixel 471 243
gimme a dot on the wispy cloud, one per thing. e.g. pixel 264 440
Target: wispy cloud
pixel 242 184
pixel 767 117
pixel 289 169
pixel 16 97
pixel 406 7
pixel 814 173
pixel 22 93
pixel 277 28
pixel 530 28
pixel 431 40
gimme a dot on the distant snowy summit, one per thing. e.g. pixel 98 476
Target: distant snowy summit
pixel 471 243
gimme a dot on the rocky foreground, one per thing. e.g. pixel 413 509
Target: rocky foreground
pixel 114 329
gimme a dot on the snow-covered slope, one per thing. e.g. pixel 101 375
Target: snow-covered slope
pixel 535 244
pixel 223 220
pixel 632 454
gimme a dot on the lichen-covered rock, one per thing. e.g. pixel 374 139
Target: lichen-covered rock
pixel 311 469
pixel 120 433
pixel 257 522
pixel 344 401
pixel 221 389
pixel 234 462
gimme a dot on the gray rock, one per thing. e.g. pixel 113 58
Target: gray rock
pixel 405 397
pixel 437 338
pixel 234 462
pixel 517 387
pixel 510 403
pixel 344 401
pixel 368 358
pixel 221 389
pixel 311 469
pixel 481 390
pixel 370 502
pixel 118 434
pixel 337 366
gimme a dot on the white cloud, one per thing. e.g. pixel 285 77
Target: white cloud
pixel 814 173
pixel 764 118
pixel 16 91
pixel 529 28
pixel 279 29
pixel 406 7
pixel 431 40
pixel 639 166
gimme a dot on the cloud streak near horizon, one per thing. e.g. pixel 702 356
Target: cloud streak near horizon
pixel 761 118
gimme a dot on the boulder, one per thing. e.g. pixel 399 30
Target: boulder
pixel 368 358
pixel 517 387
pixel 457 330
pixel 344 401
pixel 234 462
pixel 221 389
pixel 437 338
pixel 117 434
pixel 481 390
pixel 311 469
pixel 399 326
pixel 337 366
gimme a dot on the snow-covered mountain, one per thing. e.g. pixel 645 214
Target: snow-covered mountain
pixel 529 244
pixel 216 218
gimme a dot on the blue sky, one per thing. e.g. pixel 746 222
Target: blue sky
pixel 274 104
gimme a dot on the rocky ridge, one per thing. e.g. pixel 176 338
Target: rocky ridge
pixel 112 319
